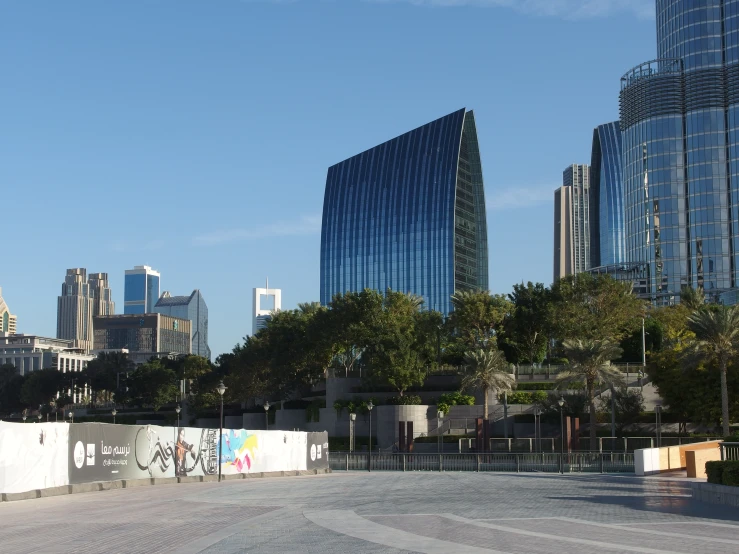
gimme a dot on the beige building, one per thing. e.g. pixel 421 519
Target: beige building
pixel 572 222
pixel 80 301
pixel 8 321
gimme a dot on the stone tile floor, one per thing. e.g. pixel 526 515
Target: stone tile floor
pixel 443 513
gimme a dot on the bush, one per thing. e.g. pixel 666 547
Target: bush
pixel 723 473
pixel 408 400
pixel 536 386
pixel 519 398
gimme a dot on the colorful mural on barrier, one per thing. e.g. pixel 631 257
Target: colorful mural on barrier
pixel 35 456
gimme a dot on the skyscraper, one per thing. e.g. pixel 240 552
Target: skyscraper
pixel 263 313
pixel 141 290
pixel 572 222
pixel 680 131
pixel 408 215
pixel 191 307
pixel 80 301
pixel 7 320
pixel 606 197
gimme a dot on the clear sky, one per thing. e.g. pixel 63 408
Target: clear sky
pixel 194 135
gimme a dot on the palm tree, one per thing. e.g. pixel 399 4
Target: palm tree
pixel 590 363
pixel 717 339
pixel 693 299
pixel 487 370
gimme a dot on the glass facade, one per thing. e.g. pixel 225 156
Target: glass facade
pixel 681 149
pixel 408 215
pixel 606 197
pixel 191 307
pixel 141 290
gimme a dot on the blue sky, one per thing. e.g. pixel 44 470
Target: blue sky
pixel 194 136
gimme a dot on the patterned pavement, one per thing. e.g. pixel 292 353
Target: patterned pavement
pixel 360 513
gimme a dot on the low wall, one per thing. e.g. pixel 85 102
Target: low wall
pixel 715 494
pixel 649 461
pixel 44 455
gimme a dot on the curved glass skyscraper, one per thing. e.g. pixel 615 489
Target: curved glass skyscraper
pixel 680 128
pixel 408 215
pixel 606 197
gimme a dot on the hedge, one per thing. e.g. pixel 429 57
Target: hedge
pixel 723 473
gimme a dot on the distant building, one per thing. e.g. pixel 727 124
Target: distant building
pixel 607 244
pixel 81 300
pixel 263 313
pixel 8 321
pixel 144 336
pixel 408 215
pixel 191 307
pixel 141 290
pixel 572 222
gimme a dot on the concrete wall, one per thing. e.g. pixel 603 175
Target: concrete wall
pixel 648 461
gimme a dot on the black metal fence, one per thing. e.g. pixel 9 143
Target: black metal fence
pixel 541 462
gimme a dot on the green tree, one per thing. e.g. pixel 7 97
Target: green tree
pixel 487 370
pixel 594 307
pixel 527 328
pixel 717 340
pixel 105 372
pixel 628 403
pixel 590 363
pixel 11 383
pixel 693 299
pixel 153 384
pixel 478 316
pixel 41 387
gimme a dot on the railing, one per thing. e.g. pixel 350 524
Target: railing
pixel 603 444
pixel 730 451
pixel 544 462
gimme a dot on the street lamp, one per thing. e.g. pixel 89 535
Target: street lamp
pixel 221 389
pixel 439 416
pixel 370 405
pixel 537 428
pixel 178 410
pixel 39 417
pixel 266 414
pixel 561 403
pixel 71 416
pixel 352 419
pixel 658 424
pixel 113 413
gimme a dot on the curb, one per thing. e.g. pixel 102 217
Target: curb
pixel 133 483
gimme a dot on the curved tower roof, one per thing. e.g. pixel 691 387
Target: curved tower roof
pixel 408 215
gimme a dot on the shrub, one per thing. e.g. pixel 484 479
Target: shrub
pixel 519 398
pixel 539 397
pixel 536 386
pixel 730 474
pixel 407 400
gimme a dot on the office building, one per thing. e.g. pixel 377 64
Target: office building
pixel 141 290
pixel 606 197
pixel 31 352
pixel 8 321
pixel 143 335
pixel 680 137
pixel 408 215
pixel 193 308
pixel 262 312
pixel 572 222
pixel 81 300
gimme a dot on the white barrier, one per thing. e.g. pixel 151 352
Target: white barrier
pixel 43 455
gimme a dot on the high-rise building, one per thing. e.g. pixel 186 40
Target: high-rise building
pixel 263 312
pixel 191 307
pixel 562 232
pixel 680 132
pixel 8 321
pixel 141 290
pixel 408 215
pixel 80 301
pixel 143 336
pixel 606 197
pixel 572 222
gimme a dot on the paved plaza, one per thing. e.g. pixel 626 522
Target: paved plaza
pixel 444 513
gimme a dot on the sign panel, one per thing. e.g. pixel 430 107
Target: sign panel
pixel 317 451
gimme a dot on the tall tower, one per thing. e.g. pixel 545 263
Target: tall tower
pixel 75 308
pixel 7 320
pixel 408 215
pixel 263 313
pixel 562 232
pixel 578 177
pixel 141 290
pixel 100 292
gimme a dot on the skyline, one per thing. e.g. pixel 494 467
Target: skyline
pixel 204 154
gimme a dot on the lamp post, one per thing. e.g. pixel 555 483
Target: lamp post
pixel 370 405
pixel 24 418
pixel 561 403
pixel 537 428
pixel 178 410
pixel 266 415
pixel 113 413
pixel 71 416
pixel 39 417
pixel 658 424
pixel 221 389
pixel 439 416
pixel 505 415
pixel 352 420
